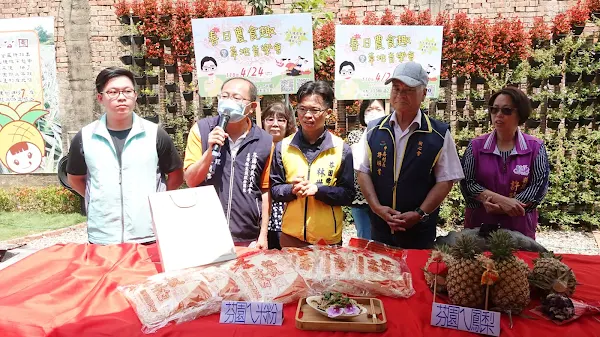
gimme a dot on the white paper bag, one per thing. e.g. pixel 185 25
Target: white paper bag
pixel 190 228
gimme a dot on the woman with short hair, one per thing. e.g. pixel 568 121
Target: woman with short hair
pixel 506 171
pixel 278 121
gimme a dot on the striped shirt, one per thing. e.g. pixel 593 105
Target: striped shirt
pixel 530 195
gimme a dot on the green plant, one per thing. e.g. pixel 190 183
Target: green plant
pixel 132 29
pixel 556 113
pixel 497 82
pixel 476 95
pixel 322 56
pixel 260 7
pixel 316 8
pixel 207 102
pixel 575 64
pixel 51 199
pixel 462 95
pixel 570 44
pixel 7 204
pixel 519 75
pixel 481 115
pixel 546 70
pixel 151 72
pixel 148 92
pixel 136 70
pixel 189 87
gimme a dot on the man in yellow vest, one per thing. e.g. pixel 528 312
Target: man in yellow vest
pixel 312 173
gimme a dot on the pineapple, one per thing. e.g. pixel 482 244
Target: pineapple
pixel 511 292
pixel 464 274
pixel 21 143
pixel 550 275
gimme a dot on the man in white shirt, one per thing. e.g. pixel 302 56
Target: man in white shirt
pixel 409 166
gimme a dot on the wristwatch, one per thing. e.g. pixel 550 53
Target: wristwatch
pixel 424 216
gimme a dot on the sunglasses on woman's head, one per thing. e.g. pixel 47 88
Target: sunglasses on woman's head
pixel 505 110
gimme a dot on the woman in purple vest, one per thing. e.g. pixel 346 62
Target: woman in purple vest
pixel 506 171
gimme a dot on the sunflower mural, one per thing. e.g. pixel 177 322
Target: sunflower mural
pixel 22 145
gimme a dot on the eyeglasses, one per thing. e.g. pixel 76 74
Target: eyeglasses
pixel 236 97
pixel 313 111
pixel 272 120
pixel 504 110
pixel 114 94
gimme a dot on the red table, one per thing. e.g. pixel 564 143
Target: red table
pixel 71 290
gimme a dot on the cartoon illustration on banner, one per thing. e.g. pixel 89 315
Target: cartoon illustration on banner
pixel 365 57
pixel 273 51
pixel 30 132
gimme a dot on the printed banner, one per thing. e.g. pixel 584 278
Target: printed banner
pixel 30 130
pixel 275 52
pixel 365 57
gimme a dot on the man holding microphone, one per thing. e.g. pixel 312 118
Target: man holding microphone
pixel 240 174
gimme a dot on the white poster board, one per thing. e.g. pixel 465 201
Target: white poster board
pixel 275 52
pixel 365 57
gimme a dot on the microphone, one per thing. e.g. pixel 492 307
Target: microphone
pixel 225 115
pixel 216 152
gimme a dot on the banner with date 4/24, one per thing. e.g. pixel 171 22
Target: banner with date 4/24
pixel 275 52
pixel 365 57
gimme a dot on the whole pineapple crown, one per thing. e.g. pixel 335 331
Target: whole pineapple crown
pixel 465 247
pixel 548 255
pixel 502 245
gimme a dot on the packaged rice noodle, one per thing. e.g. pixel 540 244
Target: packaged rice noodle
pixel 267 277
pixel 184 295
pixel 363 269
pixel 181 296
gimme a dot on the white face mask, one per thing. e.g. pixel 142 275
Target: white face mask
pixel 373 116
pixel 236 110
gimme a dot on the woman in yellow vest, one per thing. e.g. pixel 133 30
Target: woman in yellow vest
pixel 312 172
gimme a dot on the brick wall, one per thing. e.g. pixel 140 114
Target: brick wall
pixel 104 29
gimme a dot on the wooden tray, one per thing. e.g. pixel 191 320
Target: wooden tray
pixel 309 319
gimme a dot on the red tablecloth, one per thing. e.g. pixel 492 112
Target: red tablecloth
pixel 71 290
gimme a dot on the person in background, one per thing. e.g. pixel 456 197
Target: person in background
pixel 117 161
pixel 370 110
pixel 278 121
pixel 312 173
pixel 241 174
pixel 409 166
pixel 506 171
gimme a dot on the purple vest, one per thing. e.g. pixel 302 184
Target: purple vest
pixel 506 179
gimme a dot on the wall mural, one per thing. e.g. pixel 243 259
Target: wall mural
pixel 30 129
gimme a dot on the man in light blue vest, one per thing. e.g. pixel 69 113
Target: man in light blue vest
pixel 117 161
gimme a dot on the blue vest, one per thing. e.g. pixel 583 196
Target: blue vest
pixel 407 191
pixel 238 180
pixel 117 196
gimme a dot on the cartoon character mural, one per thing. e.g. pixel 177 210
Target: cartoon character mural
pixel 22 145
pixel 349 87
pixel 212 85
pixel 297 68
pixel 431 70
pixel 287 64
